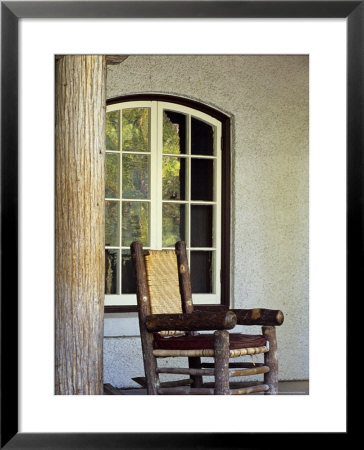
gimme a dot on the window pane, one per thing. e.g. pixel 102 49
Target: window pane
pixel 173 178
pixel 111 271
pixel 136 130
pixel 135 223
pixel 135 176
pixel 112 130
pixel 202 138
pixel 128 285
pixel 201 179
pixel 173 224
pixel 174 132
pixel 201 272
pixel 201 226
pixel 112 217
pixel 112 175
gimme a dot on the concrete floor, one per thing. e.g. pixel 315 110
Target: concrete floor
pixel 284 388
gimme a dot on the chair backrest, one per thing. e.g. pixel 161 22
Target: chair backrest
pixel 162 279
pixel 163 282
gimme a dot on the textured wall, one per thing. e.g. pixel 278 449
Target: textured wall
pixel 267 99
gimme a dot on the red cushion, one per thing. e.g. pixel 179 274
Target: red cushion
pixel 206 341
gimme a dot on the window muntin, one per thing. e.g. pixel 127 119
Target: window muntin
pixel 163 184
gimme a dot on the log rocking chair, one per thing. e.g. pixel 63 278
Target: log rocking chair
pixel 169 326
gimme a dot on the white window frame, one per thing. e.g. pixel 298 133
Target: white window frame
pixel 156 202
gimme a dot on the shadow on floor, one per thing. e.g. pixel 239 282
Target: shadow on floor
pixel 284 388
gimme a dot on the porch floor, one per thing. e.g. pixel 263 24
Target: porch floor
pixel 284 388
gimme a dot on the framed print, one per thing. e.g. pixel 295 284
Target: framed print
pixel 27 217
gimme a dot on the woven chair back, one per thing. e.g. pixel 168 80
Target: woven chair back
pixel 163 283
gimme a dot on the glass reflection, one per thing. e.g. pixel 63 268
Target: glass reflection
pixel 136 130
pixel 112 127
pixel 201 225
pixel 112 175
pixel 202 138
pixel 135 223
pixel 201 272
pixel 173 178
pixel 111 271
pixel 173 224
pixel 202 179
pixel 112 216
pixel 174 132
pixel 135 176
pixel 128 285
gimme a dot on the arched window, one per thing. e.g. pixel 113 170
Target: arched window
pixel 167 178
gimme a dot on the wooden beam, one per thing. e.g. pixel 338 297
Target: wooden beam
pixel 221 346
pixel 184 277
pixel 110 59
pixel 257 316
pixel 186 371
pixel 240 365
pixel 221 320
pixel 250 390
pixel 150 362
pixel 247 372
pixel 115 59
pixel 271 360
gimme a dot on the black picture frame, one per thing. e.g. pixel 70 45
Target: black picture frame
pixel 11 12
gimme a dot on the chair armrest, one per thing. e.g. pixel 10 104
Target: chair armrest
pixel 196 321
pixel 266 317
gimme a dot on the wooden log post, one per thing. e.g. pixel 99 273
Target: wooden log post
pixel 187 304
pixel 184 277
pixel 150 362
pixel 80 229
pixel 271 360
pixel 221 345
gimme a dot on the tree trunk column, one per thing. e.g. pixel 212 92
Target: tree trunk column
pixel 80 261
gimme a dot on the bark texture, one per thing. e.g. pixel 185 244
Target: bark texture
pixel 221 345
pixel 221 320
pixel 80 154
pixel 150 362
pixel 257 316
pixel 271 360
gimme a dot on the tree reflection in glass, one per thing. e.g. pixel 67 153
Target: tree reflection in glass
pixel 174 132
pixel 135 223
pixel 173 178
pixel 112 175
pixel 112 223
pixel 111 271
pixel 173 224
pixel 135 176
pixel 135 130
pixel 112 130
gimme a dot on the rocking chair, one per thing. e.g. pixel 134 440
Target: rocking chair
pixel 169 326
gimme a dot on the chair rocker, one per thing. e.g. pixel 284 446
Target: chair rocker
pixel 169 325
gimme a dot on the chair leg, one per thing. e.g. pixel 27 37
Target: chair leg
pixel 150 365
pixel 194 362
pixel 271 360
pixel 221 345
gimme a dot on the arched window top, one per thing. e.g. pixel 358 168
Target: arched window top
pixel 177 100
pixel 166 181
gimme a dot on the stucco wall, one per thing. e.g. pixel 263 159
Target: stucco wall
pixel 267 99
